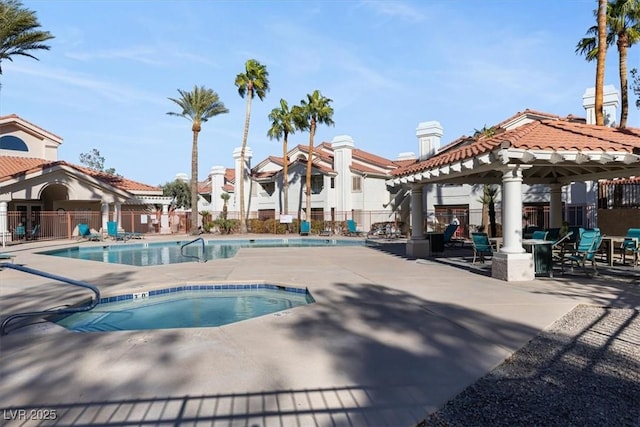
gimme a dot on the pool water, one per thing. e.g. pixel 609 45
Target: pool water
pixel 186 307
pixel 160 253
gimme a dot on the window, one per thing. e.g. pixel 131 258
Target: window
pixel 10 142
pixel 317 183
pixel 333 182
pixel 356 184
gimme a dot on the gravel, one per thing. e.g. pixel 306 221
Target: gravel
pixel 582 371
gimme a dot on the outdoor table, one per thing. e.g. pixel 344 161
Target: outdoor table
pixel 542 255
pixel 609 242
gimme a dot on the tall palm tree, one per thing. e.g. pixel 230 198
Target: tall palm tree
pixel 19 32
pixel 623 29
pixel 283 125
pixel 316 109
pixel 198 106
pixel 254 81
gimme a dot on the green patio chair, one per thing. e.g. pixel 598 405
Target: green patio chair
pixel 586 250
pixel 481 246
pixel 631 245
pixel 85 232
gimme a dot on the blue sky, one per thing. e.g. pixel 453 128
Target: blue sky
pixel 387 65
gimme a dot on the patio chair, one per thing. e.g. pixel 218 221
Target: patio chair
pixel 20 232
pixel 449 240
pixel 631 244
pixel 539 235
pixel 85 231
pixel 352 230
pixel 481 246
pixel 559 247
pixel 305 228
pixel 588 245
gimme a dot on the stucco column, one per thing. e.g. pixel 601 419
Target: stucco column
pixel 512 263
pixel 164 220
pixel 104 209
pixel 3 223
pixel 512 210
pixel 417 214
pixel 555 206
pixel 417 246
pixel 117 214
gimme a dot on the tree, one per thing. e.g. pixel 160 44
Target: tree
pixel 623 29
pixel 180 191
pixel 489 192
pixel 19 32
pixel 316 109
pixel 94 161
pixel 282 125
pixel 254 81
pixel 198 106
pixel 635 84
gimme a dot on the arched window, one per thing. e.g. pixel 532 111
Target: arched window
pixel 10 142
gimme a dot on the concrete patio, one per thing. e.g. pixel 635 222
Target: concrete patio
pixel 388 341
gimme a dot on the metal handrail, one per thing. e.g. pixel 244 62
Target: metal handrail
pixel 67 310
pixel 200 259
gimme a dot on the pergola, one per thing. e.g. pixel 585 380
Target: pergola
pixel 552 152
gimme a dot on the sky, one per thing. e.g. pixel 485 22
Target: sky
pixel 386 65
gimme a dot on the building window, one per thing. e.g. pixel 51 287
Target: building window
pixel 10 142
pixel 333 182
pixel 356 184
pixel 317 183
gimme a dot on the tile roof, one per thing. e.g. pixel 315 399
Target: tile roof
pixel 15 166
pixel 548 135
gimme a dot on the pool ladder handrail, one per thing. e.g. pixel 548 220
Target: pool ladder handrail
pixel 200 259
pixel 67 310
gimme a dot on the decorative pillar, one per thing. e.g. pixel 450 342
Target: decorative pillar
pixel 104 209
pixel 6 236
pixel 164 220
pixel 512 263
pixel 555 206
pixel 417 246
pixel 117 214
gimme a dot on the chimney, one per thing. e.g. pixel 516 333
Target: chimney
pixel 342 158
pixel 429 134
pixel 216 174
pixel 611 100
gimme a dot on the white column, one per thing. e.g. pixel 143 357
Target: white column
pixel 3 223
pixel 555 206
pixel 164 220
pixel 104 208
pixel 512 263
pixel 512 210
pixel 117 214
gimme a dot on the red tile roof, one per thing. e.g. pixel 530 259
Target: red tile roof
pixel 14 166
pixel 550 135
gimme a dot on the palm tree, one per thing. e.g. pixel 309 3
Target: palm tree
pixel 623 28
pixel 19 33
pixel 198 106
pixel 254 81
pixel 283 125
pixel 489 192
pixel 312 111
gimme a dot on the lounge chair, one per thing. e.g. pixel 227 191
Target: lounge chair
pixel 631 244
pixel 449 240
pixel 34 233
pixel 352 230
pixel 85 231
pixel 305 228
pixel 586 250
pixel 481 246
pixel 112 231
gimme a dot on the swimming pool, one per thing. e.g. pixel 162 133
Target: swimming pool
pixel 188 306
pixel 160 253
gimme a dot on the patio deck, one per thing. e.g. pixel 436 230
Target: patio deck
pixel 388 341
